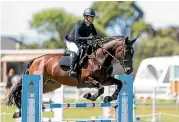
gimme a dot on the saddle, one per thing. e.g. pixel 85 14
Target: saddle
pixel 84 51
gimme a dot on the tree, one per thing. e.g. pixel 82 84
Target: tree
pixel 120 15
pixel 162 44
pixel 53 44
pixel 30 46
pixel 140 27
pixel 54 23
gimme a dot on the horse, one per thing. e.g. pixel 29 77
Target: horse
pixel 97 72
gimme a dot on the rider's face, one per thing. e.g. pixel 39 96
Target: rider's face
pixel 90 18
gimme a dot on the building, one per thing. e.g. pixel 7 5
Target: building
pixel 9 43
pixel 160 72
pixel 17 58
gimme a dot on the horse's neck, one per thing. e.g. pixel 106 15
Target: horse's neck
pixel 102 57
pixel 111 45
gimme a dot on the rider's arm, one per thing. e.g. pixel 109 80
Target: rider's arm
pixel 79 38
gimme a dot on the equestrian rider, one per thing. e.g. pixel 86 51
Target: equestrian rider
pixel 83 30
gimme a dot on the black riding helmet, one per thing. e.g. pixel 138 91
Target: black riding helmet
pixel 89 12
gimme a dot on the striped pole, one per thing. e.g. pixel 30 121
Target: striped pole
pixel 78 105
pixel 82 121
pixel 97 120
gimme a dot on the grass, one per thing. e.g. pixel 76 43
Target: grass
pixel 88 112
pixel 162 106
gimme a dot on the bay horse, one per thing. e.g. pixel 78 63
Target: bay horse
pixel 96 74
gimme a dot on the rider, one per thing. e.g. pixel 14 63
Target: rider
pixel 80 34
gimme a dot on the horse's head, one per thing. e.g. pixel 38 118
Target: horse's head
pixel 123 51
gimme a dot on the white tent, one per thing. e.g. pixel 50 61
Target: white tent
pixel 156 71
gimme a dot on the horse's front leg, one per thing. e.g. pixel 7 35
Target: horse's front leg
pixel 95 84
pixel 116 92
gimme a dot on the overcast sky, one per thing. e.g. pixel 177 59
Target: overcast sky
pixel 15 15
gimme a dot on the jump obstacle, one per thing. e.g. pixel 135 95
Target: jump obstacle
pixel 32 94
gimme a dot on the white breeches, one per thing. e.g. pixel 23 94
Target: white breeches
pixel 72 46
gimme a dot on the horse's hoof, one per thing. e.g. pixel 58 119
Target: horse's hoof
pixel 115 106
pixel 93 98
pixel 17 115
pixel 87 96
pixel 43 108
pixel 107 99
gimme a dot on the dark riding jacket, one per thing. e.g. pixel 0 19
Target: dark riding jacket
pixel 81 32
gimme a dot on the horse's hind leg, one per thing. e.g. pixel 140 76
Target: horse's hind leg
pixel 100 91
pixel 17 98
pixel 35 68
pixel 116 92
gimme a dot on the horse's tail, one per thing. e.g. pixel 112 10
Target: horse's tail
pixel 14 96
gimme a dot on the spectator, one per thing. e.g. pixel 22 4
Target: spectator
pixel 9 80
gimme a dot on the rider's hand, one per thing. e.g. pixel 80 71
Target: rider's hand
pixel 90 38
pixel 96 37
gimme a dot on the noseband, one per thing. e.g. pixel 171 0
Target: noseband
pixel 122 60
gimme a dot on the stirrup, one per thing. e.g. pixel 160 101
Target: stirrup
pixel 73 73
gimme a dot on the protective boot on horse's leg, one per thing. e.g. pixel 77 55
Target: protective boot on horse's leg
pixel 116 92
pixel 91 83
pixel 73 69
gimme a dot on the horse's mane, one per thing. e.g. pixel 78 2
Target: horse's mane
pixel 108 39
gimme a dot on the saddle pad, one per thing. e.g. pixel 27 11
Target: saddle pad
pixel 65 61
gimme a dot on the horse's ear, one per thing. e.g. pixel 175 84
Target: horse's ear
pixel 132 41
pixel 126 40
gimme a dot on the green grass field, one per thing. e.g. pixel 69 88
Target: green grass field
pixel 83 113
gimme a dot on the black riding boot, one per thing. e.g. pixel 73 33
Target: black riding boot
pixel 74 58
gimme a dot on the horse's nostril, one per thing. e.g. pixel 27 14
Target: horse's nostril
pixel 129 70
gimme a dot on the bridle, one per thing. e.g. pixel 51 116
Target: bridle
pixel 122 59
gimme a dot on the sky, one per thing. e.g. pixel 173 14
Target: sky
pixel 15 15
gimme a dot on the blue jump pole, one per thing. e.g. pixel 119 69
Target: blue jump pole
pixel 32 98
pixel 125 99
pixel 32 91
